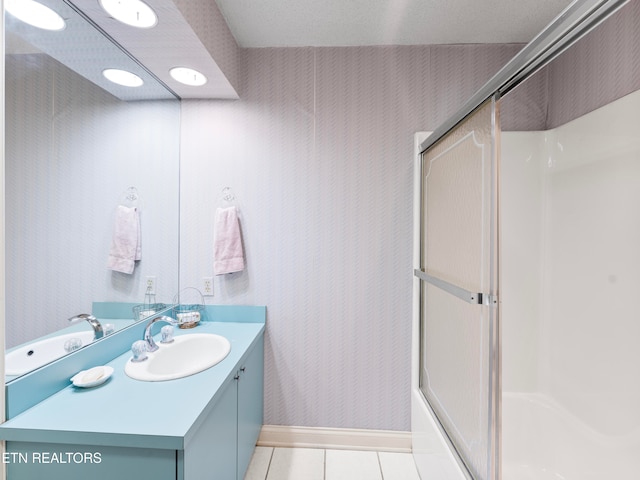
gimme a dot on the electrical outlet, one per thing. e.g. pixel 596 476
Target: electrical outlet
pixel 207 286
pixel 151 285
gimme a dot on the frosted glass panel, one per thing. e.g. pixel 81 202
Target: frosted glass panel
pixel 458 247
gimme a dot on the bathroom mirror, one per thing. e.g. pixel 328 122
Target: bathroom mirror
pixel 76 149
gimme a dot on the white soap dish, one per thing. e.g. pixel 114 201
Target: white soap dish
pixel 93 377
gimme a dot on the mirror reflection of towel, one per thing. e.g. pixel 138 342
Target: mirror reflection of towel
pixel 228 256
pixel 126 246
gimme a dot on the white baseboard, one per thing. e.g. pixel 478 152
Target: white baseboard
pixel 334 438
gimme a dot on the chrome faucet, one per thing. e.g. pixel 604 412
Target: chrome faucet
pixel 98 332
pixel 151 345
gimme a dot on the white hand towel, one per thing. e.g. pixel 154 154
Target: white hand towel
pixel 126 245
pixel 228 256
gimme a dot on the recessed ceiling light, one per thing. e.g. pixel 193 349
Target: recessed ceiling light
pixel 132 12
pixel 35 14
pixel 188 76
pixel 122 77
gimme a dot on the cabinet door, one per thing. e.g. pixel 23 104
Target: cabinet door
pixel 210 453
pixel 250 405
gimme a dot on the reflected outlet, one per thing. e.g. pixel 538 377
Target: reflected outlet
pixel 151 285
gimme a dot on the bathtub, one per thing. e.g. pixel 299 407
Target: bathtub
pixel 541 440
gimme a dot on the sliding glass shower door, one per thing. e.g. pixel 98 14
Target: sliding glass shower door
pixel 459 371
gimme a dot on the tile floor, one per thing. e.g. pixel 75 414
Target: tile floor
pixel 317 464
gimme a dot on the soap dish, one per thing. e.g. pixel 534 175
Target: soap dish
pixel 93 377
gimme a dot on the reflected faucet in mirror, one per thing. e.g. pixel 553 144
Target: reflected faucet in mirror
pixel 98 332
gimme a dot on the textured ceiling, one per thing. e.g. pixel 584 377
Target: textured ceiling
pixel 279 23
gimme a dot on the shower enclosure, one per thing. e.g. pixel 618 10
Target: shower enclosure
pixel 526 268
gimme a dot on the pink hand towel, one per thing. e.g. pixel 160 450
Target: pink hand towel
pixel 126 246
pixel 228 256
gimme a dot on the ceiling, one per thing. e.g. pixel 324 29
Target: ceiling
pixel 295 23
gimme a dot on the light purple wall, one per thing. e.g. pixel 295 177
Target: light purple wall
pixel 319 154
pixel 601 68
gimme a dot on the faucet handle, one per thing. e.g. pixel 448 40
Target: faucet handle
pixel 72 344
pixel 139 349
pixel 167 334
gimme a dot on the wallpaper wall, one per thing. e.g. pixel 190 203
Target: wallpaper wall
pixel 602 67
pixel 318 152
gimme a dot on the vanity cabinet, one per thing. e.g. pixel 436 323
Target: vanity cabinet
pixel 222 446
pixel 216 444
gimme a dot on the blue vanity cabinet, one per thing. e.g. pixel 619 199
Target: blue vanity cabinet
pixel 55 439
pixel 210 452
pixel 222 446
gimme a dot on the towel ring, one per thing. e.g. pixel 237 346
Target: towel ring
pixel 131 198
pixel 228 198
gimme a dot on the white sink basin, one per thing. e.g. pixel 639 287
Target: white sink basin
pixel 34 355
pixel 187 354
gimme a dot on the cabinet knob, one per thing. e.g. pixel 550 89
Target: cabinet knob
pixel 237 377
pixel 242 369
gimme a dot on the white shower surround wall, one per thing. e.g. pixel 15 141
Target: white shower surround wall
pixel 570 258
pixel 545 441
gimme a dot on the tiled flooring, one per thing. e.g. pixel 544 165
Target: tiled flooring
pixel 317 464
